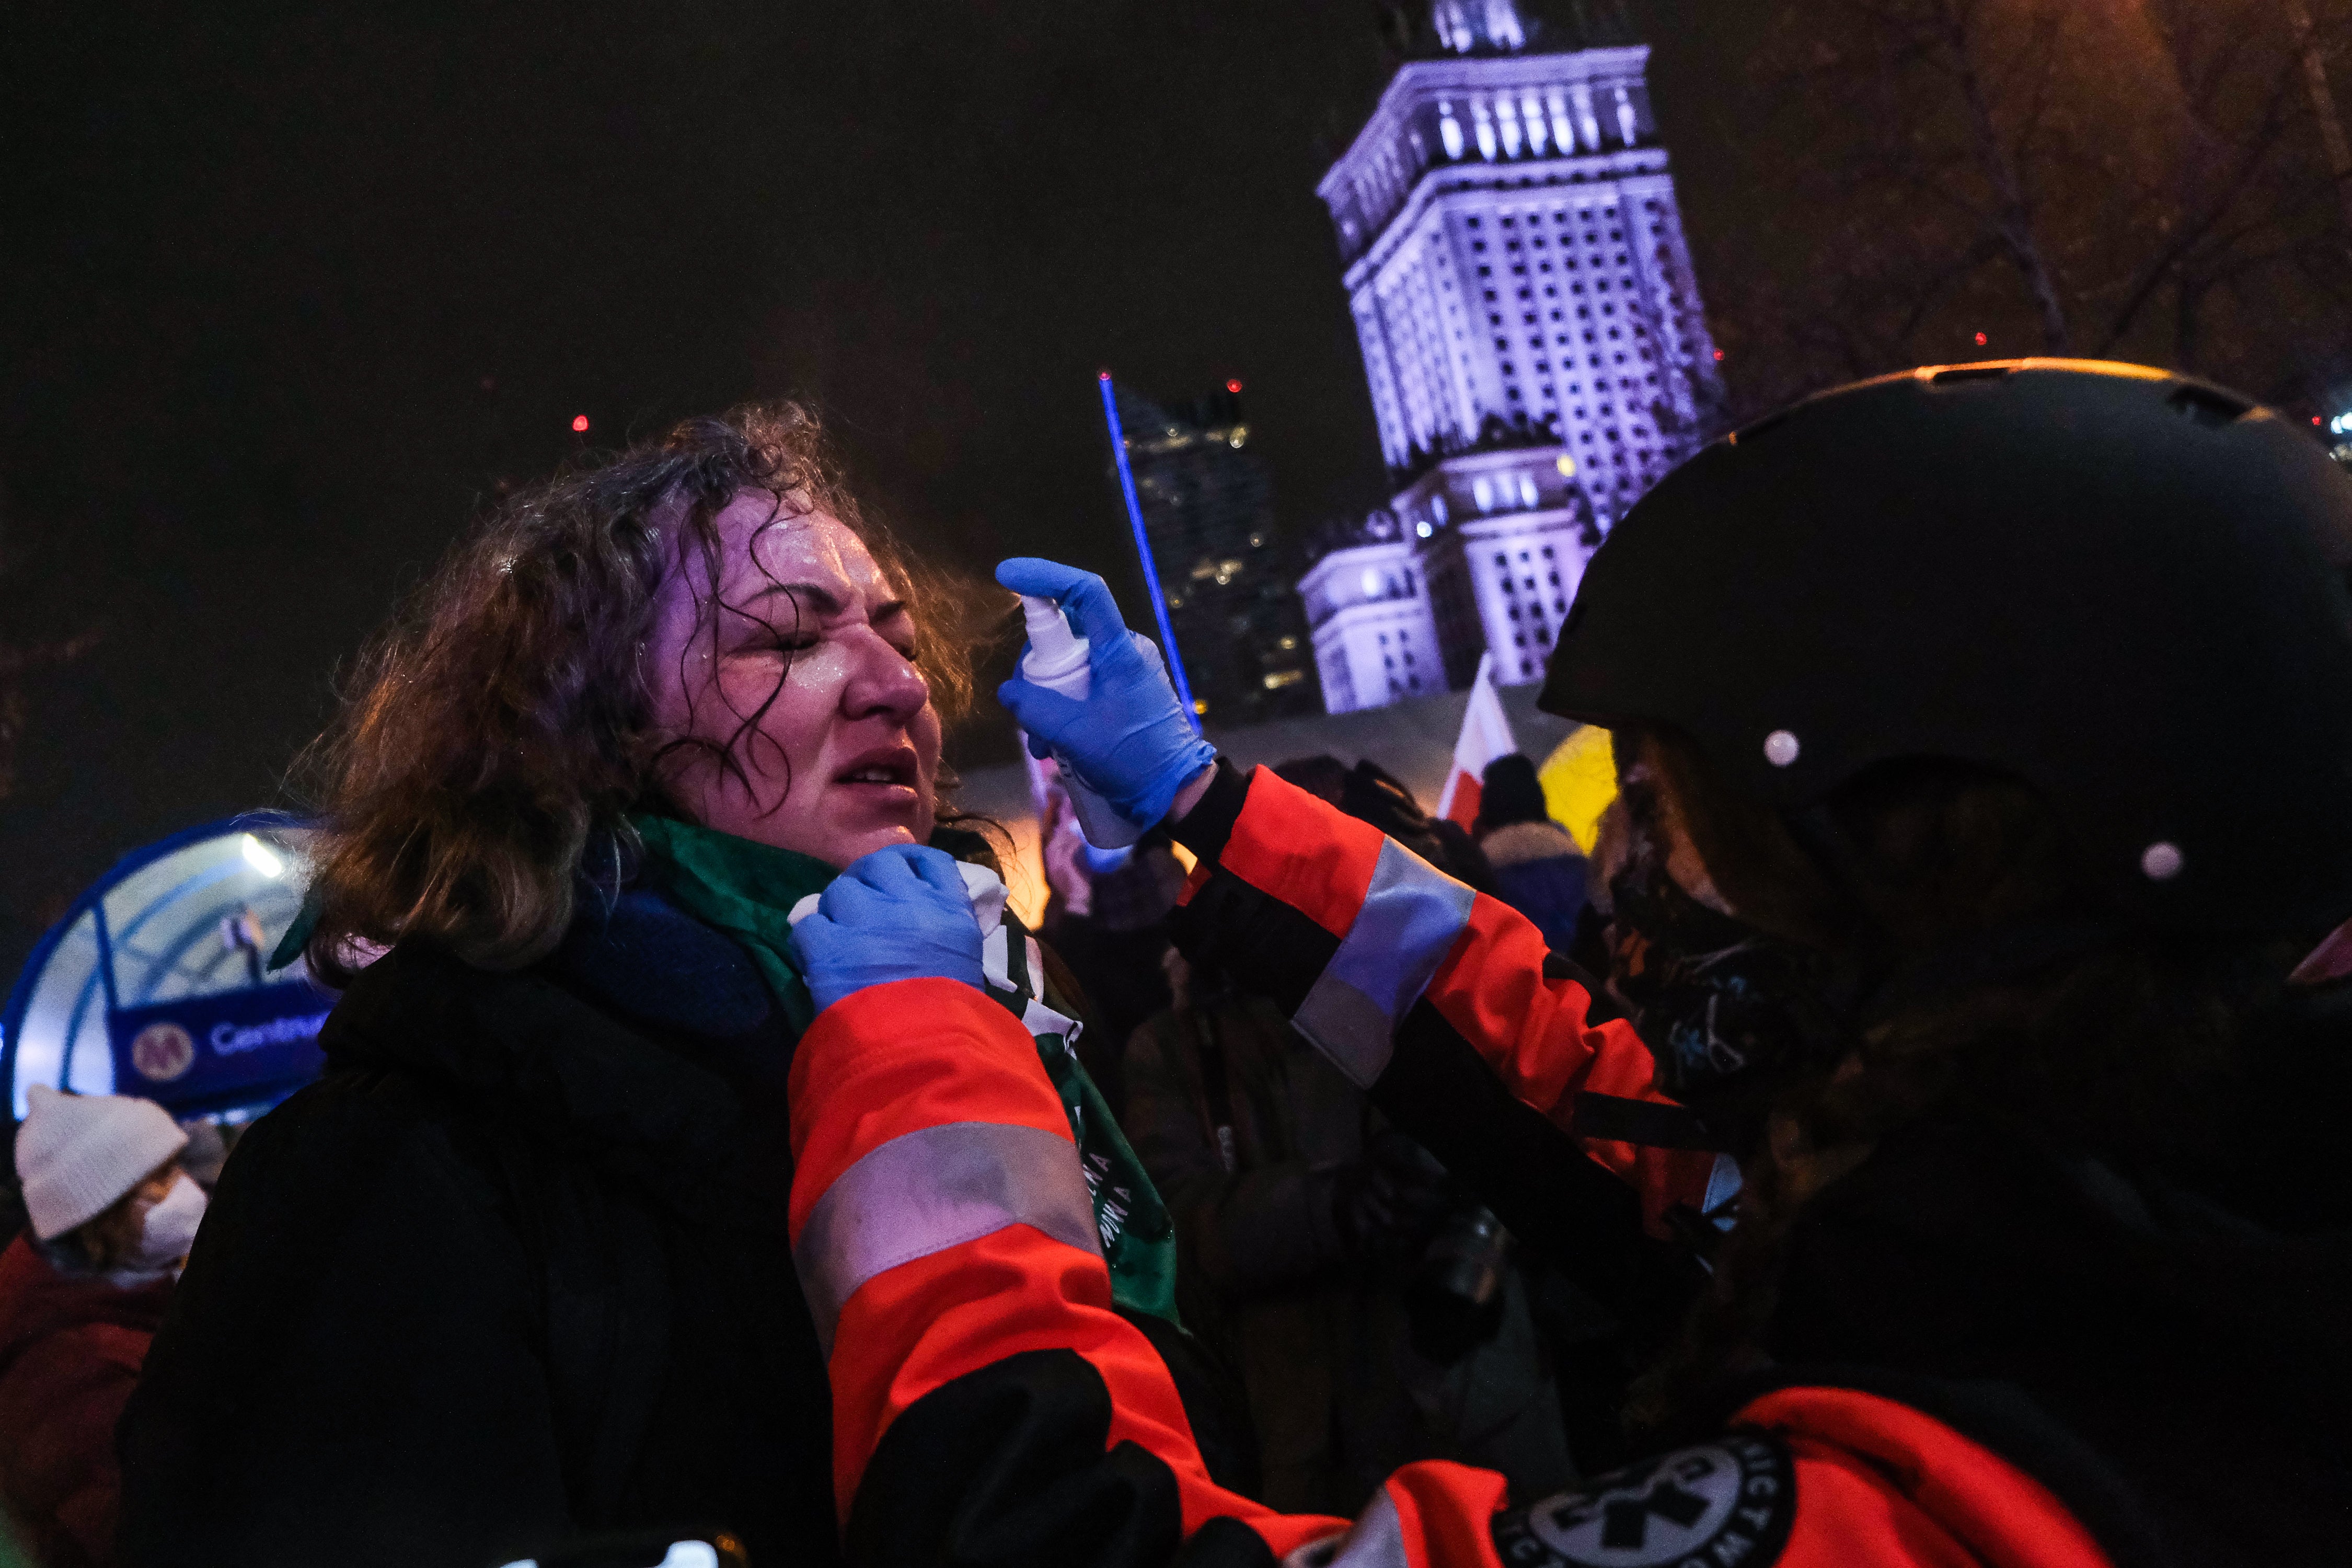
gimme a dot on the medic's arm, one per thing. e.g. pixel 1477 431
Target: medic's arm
pixel 1446 1006
pixel 988 1405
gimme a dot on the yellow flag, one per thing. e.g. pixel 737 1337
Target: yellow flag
pixel 1580 780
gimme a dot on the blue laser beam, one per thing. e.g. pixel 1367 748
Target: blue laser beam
pixel 1143 550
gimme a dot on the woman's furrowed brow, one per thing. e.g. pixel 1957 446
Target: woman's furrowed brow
pixel 822 600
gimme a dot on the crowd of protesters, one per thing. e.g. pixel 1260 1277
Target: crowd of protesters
pixel 1902 1135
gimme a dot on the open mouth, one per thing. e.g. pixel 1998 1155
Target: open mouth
pixel 891 769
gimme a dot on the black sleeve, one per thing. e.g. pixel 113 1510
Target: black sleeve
pixel 1009 1466
pixel 349 1372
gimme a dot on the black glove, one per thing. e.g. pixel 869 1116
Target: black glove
pixel 1390 1200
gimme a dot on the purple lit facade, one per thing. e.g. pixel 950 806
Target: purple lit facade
pixel 1533 337
pixel 1375 642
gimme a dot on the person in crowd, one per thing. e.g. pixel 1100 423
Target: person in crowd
pixel 82 1292
pixel 1368 793
pixel 1986 738
pixel 207 1150
pixel 1114 948
pixel 1305 1223
pixel 513 1271
pixel 1537 868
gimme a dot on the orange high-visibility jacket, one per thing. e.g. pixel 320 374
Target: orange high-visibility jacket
pixel 990 1406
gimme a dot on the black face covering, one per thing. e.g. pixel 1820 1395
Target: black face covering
pixel 1729 1011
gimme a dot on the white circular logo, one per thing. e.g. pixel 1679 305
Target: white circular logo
pixel 161 1052
pixel 1725 1501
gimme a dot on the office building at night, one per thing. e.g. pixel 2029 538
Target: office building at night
pixel 1375 642
pixel 1207 508
pixel 1532 334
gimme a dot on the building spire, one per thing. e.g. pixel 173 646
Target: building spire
pixel 1478 27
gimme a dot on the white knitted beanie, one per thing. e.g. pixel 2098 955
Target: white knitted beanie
pixel 76 1153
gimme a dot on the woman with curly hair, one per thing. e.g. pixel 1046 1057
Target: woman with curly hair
pixel 515 1270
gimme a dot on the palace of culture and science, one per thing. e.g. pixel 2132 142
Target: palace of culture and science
pixel 1534 341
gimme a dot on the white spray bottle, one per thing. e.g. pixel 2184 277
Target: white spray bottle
pixel 1056 660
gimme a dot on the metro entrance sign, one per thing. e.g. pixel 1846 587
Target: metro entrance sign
pixel 200 1053
pixel 153 983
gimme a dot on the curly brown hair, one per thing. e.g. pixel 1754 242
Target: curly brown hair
pixel 501 724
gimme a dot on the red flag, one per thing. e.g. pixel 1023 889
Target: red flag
pixel 1485 735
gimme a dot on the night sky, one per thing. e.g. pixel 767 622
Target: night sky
pixel 284 292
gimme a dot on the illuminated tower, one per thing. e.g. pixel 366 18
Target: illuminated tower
pixel 1536 347
pixel 1208 508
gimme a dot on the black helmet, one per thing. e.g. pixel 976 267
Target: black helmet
pixel 2125 587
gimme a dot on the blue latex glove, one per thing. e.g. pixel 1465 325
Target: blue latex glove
pixel 900 913
pixel 1130 739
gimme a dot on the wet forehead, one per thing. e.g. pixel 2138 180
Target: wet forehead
pixel 765 547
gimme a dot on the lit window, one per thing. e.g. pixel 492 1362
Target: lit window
pixel 1449 130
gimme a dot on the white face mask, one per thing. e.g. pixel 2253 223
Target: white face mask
pixel 169 1229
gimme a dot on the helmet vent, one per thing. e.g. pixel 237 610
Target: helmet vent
pixel 1968 373
pixel 2208 406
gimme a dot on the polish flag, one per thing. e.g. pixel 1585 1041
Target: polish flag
pixel 1485 735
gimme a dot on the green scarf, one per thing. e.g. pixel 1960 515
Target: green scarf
pixel 743 889
pixel 748 890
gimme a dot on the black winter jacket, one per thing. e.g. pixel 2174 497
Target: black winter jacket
pixel 514 1270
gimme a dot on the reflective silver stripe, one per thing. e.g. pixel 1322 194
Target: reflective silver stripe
pixel 1375 1541
pixel 1411 915
pixel 925 1192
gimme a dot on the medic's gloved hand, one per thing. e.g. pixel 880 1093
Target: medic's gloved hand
pixel 900 913
pixel 1130 739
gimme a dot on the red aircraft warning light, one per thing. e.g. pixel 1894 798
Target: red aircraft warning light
pixel 1232 386
pixel 580 424
pixel 1982 340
